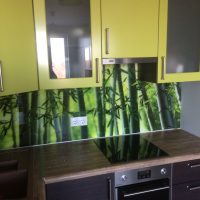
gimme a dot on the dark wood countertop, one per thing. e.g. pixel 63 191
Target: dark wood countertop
pixel 176 142
pixel 72 160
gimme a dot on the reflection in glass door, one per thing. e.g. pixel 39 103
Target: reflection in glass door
pixel 69 38
pixel 57 54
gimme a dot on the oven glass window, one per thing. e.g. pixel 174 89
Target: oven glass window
pixel 151 190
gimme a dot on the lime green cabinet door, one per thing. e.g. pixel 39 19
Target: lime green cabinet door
pixel 129 28
pixel 68 35
pixel 17 47
pixel 179 41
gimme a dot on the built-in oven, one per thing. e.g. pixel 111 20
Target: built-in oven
pixel 144 184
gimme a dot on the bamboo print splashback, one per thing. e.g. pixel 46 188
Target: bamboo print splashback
pixel 122 105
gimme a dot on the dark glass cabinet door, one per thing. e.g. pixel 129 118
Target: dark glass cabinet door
pixel 183 36
pixel 91 188
pixel 179 41
pixel 68 36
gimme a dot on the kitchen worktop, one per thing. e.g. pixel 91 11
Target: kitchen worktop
pixel 84 158
pixel 72 160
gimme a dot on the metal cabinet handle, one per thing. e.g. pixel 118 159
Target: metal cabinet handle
pixel 146 191
pixel 163 61
pixel 193 165
pixel 190 188
pixel 107 30
pixel 1 78
pixel 109 188
pixel 97 70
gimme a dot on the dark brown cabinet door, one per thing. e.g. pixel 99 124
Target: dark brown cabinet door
pixel 186 191
pixel 186 180
pixel 99 187
pixel 186 171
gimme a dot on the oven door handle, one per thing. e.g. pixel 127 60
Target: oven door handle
pixel 146 191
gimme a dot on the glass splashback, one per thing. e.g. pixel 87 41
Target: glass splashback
pixel 69 38
pixel 183 40
pixel 121 106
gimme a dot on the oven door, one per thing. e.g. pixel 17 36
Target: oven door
pixel 151 190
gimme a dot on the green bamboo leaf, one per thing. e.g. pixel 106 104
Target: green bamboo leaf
pixel 124 71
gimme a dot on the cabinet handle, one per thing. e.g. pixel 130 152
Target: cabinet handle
pixel 190 188
pixel 193 166
pixel 107 40
pixel 97 70
pixel 109 188
pixel 1 78
pixel 163 61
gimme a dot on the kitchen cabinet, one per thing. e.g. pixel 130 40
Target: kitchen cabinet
pixel 129 28
pixel 186 180
pixel 68 37
pixel 99 187
pixel 18 63
pixel 179 43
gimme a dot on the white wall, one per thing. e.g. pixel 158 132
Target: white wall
pixel 190 115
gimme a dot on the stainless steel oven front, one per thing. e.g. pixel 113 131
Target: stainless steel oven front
pixel 152 183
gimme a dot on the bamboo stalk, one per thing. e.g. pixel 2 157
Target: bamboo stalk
pixel 46 120
pixel 135 146
pixel 133 96
pixel 176 103
pixel 33 117
pixel 126 148
pixel 25 134
pixel 125 121
pixel 13 120
pixel 147 108
pixel 41 127
pixel 159 107
pixel 101 126
pixel 66 131
pixel 134 113
pixel 103 100
pixel 113 104
pixel 41 132
pixel 82 110
pixel 56 119
pixel 166 115
pixel 122 100
pixel 178 93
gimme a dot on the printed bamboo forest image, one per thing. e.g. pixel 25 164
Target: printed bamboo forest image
pixel 122 105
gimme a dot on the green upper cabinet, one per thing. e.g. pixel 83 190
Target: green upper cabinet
pixel 179 43
pixel 129 28
pixel 18 62
pixel 68 37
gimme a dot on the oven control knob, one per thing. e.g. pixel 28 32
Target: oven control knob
pixel 124 177
pixel 163 171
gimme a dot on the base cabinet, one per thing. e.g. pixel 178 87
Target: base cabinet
pixel 99 187
pixel 186 180
pixel 187 191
